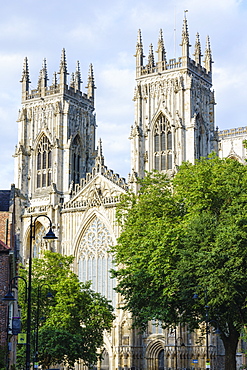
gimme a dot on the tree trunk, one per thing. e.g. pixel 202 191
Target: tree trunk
pixel 230 343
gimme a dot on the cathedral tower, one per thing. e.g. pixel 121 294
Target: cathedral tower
pixel 56 145
pixel 174 107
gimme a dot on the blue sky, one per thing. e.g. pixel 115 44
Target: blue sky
pixel 104 33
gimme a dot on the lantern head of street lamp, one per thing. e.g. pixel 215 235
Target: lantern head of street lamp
pixel 9 297
pixel 217 331
pixel 195 296
pixel 50 235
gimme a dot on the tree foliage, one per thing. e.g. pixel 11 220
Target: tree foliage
pixel 3 356
pixel 185 235
pixel 71 324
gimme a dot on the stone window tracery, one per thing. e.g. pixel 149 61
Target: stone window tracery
pixel 95 260
pixel 44 163
pixel 163 145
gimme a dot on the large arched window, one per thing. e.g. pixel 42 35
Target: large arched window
pixel 95 260
pixel 76 160
pixel 162 145
pixel 44 163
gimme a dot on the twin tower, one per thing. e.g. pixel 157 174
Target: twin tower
pixel 62 174
pixel 174 118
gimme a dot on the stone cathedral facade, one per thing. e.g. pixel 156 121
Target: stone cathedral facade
pixel 60 170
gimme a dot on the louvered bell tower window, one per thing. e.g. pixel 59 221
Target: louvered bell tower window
pixel 76 160
pixel 162 142
pixel 44 163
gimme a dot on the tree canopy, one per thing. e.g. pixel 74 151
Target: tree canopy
pixel 71 323
pixel 183 236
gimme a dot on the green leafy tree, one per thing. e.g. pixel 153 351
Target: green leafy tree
pixel 3 356
pixel 183 236
pixel 72 322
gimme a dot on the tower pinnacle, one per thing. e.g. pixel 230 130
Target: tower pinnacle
pixel 54 80
pixel 185 38
pixel 25 79
pixel 151 57
pixel 72 80
pixel 208 56
pixel 43 77
pixel 139 52
pixel 63 69
pixel 197 53
pixel 78 80
pixel 99 160
pixel 90 84
pixel 161 52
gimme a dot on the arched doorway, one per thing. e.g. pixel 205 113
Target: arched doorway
pixel 161 361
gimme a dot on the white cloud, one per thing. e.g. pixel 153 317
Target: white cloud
pixel 16 27
pixel 115 78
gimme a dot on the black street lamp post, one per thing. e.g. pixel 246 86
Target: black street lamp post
pixel 49 295
pixel 9 297
pixel 50 236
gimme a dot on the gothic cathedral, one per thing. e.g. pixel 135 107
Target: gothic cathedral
pixel 62 174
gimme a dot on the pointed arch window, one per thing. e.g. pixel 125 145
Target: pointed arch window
pixel 95 260
pixel 44 163
pixel 76 160
pixel 163 144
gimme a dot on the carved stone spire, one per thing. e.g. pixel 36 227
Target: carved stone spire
pixel 54 81
pixel 208 56
pixel 43 77
pixel 151 57
pixel 63 69
pixel 185 39
pixel 139 52
pixel 161 50
pixel 72 81
pixel 90 84
pixel 25 79
pixel 99 160
pixel 197 53
pixel 45 74
pixel 78 80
